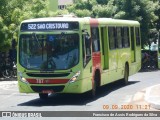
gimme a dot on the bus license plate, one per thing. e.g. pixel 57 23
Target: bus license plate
pixel 47 91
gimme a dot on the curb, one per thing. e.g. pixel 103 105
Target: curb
pixel 8 79
pixel 151 99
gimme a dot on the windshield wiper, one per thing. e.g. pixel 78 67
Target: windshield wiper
pixel 39 45
pixel 35 36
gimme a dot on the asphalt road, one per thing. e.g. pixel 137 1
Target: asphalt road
pixel 110 95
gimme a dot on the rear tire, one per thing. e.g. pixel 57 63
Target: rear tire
pixel 126 75
pixel 43 96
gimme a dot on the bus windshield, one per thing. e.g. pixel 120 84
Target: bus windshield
pixel 49 52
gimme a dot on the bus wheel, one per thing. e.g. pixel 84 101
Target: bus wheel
pixel 126 74
pixel 43 96
pixel 94 89
pixel 95 85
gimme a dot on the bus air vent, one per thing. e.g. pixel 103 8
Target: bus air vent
pixel 48 74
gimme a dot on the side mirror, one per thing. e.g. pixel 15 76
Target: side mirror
pixel 86 33
pixel 88 40
pixel 88 36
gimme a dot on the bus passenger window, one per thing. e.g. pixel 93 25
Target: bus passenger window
pixel 137 36
pixel 111 35
pixel 95 39
pixel 119 37
pixel 126 37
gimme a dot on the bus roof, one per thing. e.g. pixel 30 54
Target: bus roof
pixel 117 21
pixel 85 19
pixel 49 19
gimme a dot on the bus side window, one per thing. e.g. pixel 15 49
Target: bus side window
pixel 137 36
pixel 95 39
pixel 86 49
pixel 111 36
pixel 119 37
pixel 126 37
pixel 132 39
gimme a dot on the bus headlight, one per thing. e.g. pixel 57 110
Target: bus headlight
pixel 75 77
pixel 22 79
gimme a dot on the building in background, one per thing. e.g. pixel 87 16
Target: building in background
pixel 63 3
pixel 54 5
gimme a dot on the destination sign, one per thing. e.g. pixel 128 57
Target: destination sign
pixel 41 26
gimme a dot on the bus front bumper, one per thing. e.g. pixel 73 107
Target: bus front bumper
pixel 73 87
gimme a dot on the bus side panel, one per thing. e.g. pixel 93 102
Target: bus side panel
pixel 138 58
pixel 85 82
pixel 136 66
pixel 113 65
pixel 87 77
pixel 104 55
pixel 124 56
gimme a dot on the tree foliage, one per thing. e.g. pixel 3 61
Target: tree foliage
pixel 105 10
pixel 12 12
pixel 142 11
pixel 147 12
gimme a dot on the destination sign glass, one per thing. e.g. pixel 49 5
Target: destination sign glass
pixel 41 26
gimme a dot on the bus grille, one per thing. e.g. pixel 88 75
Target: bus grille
pixel 40 89
pixel 48 74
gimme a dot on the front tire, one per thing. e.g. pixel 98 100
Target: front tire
pixel 43 96
pixel 95 85
pixel 94 89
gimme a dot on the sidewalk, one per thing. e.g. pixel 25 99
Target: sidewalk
pixel 8 79
pixel 148 98
pixel 152 96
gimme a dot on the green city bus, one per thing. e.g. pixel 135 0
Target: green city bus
pixel 76 55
